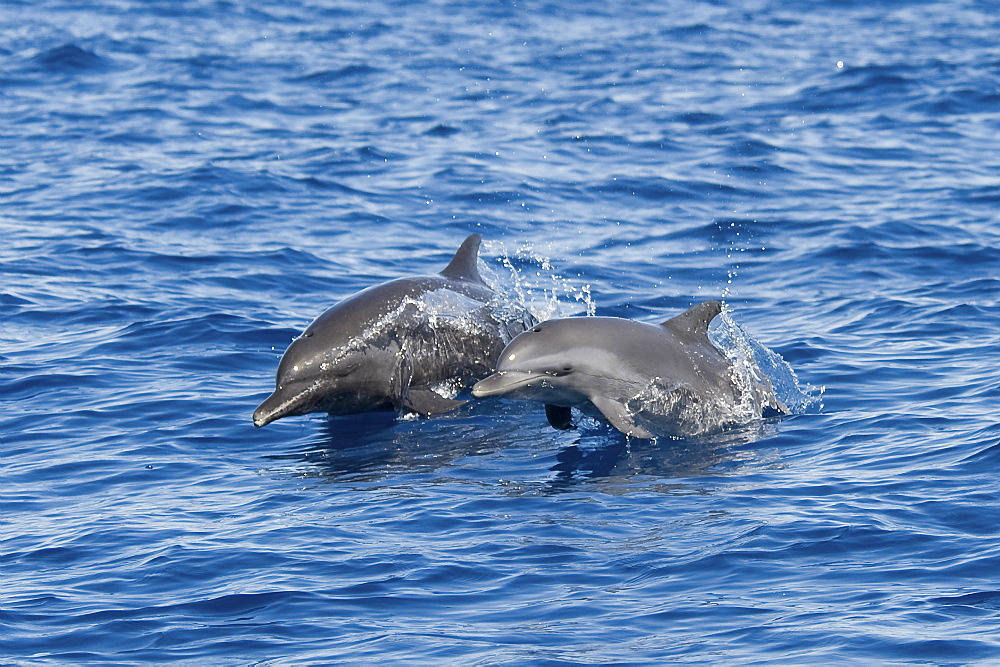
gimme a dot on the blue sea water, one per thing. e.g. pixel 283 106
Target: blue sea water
pixel 185 185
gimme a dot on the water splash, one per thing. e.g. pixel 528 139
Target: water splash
pixel 443 307
pixel 525 278
pixel 674 410
pixel 751 359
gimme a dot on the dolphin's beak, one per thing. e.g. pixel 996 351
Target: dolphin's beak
pixel 283 402
pixel 269 410
pixel 502 382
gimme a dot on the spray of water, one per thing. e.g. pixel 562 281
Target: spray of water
pixel 524 278
pixel 752 359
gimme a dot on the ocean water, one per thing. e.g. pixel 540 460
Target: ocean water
pixel 185 185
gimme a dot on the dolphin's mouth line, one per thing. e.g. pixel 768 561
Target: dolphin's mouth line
pixel 541 377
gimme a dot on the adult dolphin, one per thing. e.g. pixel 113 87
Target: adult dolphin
pixel 391 345
pixel 645 379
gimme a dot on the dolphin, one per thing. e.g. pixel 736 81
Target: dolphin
pixel 399 345
pixel 645 379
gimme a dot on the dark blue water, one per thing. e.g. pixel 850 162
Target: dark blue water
pixel 185 185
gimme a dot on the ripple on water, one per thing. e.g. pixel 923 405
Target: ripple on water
pixel 176 210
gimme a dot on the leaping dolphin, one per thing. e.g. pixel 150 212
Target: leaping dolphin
pixel 645 379
pixel 390 346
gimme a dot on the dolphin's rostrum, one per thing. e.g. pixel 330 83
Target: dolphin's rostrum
pixel 390 346
pixel 645 379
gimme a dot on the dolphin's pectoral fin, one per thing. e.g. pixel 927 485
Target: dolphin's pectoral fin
pixel 620 418
pixel 559 417
pixel 427 402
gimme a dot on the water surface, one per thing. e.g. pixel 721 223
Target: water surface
pixel 186 185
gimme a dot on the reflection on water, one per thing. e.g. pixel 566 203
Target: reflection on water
pixel 605 454
pixel 484 441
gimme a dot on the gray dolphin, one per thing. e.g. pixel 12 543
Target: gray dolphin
pixel 645 379
pixel 391 345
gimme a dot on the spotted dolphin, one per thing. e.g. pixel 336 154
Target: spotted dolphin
pixel 404 345
pixel 645 379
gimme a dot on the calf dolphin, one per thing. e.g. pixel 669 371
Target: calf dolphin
pixel 645 379
pixel 391 345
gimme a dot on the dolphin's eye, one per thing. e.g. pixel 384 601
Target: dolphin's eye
pixel 537 330
pixel 565 369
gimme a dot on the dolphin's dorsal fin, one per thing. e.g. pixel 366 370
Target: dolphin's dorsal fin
pixel 695 320
pixel 465 264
